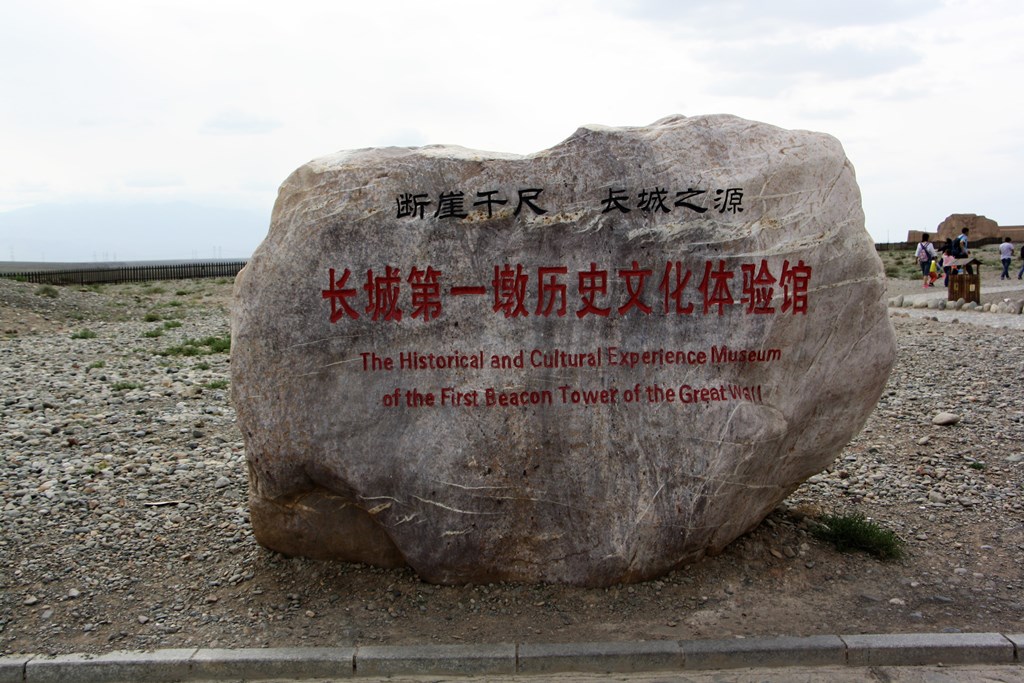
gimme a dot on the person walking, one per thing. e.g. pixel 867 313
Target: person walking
pixel 1021 271
pixel 924 254
pixel 1006 256
pixel 947 266
pixel 962 251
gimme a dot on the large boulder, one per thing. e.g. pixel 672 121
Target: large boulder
pixel 592 364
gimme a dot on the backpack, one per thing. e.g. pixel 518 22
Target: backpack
pixel 922 253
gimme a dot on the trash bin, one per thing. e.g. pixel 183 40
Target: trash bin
pixel 964 285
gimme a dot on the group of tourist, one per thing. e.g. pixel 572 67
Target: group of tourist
pixel 932 264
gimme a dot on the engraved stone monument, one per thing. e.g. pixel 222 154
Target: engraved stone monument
pixel 592 364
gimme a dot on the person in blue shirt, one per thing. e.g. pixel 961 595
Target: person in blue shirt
pixel 964 252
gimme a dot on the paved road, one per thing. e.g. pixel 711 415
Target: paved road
pixel 1013 291
pixel 1010 673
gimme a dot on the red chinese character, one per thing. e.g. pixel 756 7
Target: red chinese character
pixel 794 283
pixel 757 288
pixel 635 278
pixel 510 290
pixel 339 297
pixel 672 285
pixel 426 293
pixel 591 283
pixel 549 289
pixel 382 294
pixel 715 287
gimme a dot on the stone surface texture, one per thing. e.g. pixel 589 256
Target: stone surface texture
pixel 561 492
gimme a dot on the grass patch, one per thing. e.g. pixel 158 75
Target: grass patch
pixel 977 465
pixel 901 265
pixel 171 324
pixel 855 532
pixel 202 366
pixel 153 289
pixel 49 291
pixel 125 386
pixel 83 334
pixel 216 384
pixel 181 292
pixel 199 347
pixel 158 332
pixel 97 364
pixel 152 317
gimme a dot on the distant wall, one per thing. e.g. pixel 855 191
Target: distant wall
pixel 980 228
pixel 126 273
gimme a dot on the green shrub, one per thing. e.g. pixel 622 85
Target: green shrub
pixel 218 344
pixel 171 324
pixel 97 364
pixel 153 333
pixel 153 289
pixel 201 347
pixel 152 317
pixel 181 292
pixel 48 291
pixel 84 334
pixel 125 386
pixel 856 532
pixel 216 384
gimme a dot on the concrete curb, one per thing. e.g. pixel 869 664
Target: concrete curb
pixel 196 664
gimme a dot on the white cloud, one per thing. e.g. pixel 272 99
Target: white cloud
pixel 191 99
pixel 236 122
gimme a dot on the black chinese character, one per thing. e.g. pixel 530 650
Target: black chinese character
pixel 527 197
pixel 489 201
pixel 614 201
pixel 411 204
pixel 450 205
pixel 681 198
pixel 653 200
pixel 730 200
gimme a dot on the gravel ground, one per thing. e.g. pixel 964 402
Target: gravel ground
pixel 124 515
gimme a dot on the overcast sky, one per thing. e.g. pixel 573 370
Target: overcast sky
pixel 215 102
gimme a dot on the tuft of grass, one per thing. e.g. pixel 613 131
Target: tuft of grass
pixel 85 333
pixel 171 324
pixel 977 465
pixel 153 289
pixel 216 384
pixel 125 386
pixel 202 366
pixel 200 347
pixel 218 344
pixel 158 332
pixel 854 531
pixel 152 317
pixel 48 291
pixel 181 292
pixel 97 364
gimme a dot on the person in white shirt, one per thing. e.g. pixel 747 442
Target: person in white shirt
pixel 1006 256
pixel 924 255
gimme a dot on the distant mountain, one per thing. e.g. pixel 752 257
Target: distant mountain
pixel 130 232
